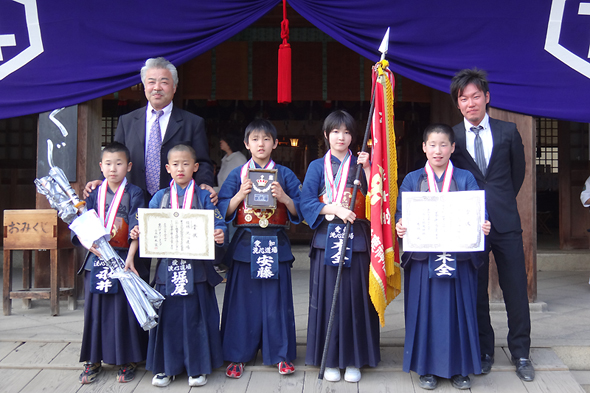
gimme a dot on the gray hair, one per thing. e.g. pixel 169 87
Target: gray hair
pixel 162 63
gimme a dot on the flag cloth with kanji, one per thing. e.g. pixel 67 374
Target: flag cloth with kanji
pixel 385 274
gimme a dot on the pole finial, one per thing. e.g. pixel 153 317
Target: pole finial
pixel 384 44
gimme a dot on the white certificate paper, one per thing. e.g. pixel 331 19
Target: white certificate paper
pixel 443 221
pixel 176 233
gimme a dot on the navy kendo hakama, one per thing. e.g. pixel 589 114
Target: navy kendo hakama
pixel 355 335
pixel 187 335
pixel 258 313
pixel 111 331
pixel 440 313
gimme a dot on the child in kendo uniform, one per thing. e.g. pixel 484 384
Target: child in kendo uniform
pixel 324 199
pixel 442 338
pixel 111 331
pixel 187 335
pixel 258 303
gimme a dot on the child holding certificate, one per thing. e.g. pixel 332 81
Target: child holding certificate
pixel 440 289
pixel 108 318
pixel 325 199
pixel 187 336
pixel 258 303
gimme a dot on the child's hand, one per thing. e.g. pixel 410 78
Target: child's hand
pixel 279 193
pixel 245 189
pixel 345 214
pixel 364 159
pixel 400 229
pixel 134 233
pixel 218 236
pixel 130 265
pixel 94 250
pixel 214 196
pixel 487 226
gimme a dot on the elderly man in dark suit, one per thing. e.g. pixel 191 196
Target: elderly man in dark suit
pixel 150 132
pixel 493 152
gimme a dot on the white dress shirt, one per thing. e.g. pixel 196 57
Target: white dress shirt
pixel 486 138
pixel 151 117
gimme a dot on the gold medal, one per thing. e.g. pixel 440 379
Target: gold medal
pixel 330 217
pixel 263 222
pixel 248 217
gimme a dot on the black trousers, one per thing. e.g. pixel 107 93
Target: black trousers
pixel 509 256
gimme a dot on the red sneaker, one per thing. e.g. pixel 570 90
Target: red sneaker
pixel 235 370
pixel 286 368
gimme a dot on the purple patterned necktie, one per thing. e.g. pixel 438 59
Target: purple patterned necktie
pixel 152 155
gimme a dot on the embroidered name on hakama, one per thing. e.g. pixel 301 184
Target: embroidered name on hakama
pixel 334 242
pixel 264 263
pixel 442 265
pixel 101 280
pixel 180 276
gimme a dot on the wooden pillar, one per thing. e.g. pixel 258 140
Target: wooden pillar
pixel 443 111
pixel 527 204
pixel 88 157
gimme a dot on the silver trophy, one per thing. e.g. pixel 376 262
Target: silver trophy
pixel 142 298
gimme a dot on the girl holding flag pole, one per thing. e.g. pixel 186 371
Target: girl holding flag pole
pixel 324 204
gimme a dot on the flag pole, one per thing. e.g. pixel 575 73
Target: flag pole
pixel 383 49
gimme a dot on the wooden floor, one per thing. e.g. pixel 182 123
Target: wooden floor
pixel 54 367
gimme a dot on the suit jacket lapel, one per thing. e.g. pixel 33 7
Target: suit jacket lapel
pixel 460 138
pixel 174 124
pixel 461 142
pixel 496 130
pixel 140 126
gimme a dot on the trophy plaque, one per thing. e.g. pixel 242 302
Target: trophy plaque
pixel 261 196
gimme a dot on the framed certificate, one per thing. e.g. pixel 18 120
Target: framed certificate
pixel 176 233
pixel 261 196
pixel 443 221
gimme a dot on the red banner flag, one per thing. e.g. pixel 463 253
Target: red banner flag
pixel 385 274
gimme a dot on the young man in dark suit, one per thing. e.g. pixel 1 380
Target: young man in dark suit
pixel 160 118
pixel 493 152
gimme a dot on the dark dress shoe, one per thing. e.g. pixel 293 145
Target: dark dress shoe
pixel 428 382
pixel 486 363
pixel 460 382
pixel 524 369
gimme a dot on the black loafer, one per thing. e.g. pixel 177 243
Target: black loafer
pixel 486 363
pixel 428 382
pixel 460 382
pixel 524 369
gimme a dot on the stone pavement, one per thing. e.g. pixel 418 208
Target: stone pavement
pixel 39 353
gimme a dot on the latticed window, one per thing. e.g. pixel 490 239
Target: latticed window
pixel 109 125
pixel 547 145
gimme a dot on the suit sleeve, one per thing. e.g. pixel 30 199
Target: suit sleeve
pixel 517 161
pixel 120 132
pixel 201 145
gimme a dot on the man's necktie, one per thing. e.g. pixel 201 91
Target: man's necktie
pixel 480 157
pixel 152 155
